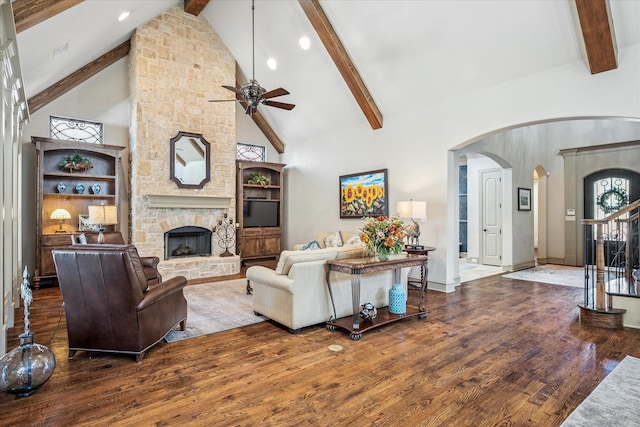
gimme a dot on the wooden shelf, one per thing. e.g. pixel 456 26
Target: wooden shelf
pixel 105 173
pixel 259 242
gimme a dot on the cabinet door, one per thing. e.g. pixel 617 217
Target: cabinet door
pixel 272 241
pixel 49 243
pixel 271 245
pixel 251 246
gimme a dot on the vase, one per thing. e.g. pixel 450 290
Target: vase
pixel 61 187
pixel 27 367
pixel 397 299
pixel 95 188
pixel 79 188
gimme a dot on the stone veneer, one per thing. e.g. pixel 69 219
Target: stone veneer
pixel 177 64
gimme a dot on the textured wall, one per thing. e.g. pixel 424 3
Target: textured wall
pixel 177 65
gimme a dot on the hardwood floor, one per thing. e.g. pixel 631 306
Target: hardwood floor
pixel 497 352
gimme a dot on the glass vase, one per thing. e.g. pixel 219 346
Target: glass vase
pixel 26 367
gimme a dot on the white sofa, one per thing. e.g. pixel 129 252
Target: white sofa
pixel 295 294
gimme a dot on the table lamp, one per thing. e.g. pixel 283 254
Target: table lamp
pixel 102 215
pixel 60 215
pixel 417 212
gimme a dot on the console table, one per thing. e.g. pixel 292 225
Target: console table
pixel 359 266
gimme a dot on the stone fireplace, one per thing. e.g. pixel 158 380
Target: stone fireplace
pixel 178 63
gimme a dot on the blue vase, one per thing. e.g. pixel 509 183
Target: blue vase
pixel 79 188
pixel 397 299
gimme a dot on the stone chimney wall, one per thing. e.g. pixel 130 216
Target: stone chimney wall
pixel 177 64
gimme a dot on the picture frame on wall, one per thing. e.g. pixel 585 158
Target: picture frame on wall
pixel 524 199
pixel 364 194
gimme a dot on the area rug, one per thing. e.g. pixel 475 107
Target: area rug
pixel 553 274
pixel 215 307
pixel 614 402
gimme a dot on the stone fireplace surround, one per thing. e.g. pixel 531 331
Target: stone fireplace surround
pixel 177 63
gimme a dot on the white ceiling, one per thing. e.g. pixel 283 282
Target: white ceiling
pixel 411 54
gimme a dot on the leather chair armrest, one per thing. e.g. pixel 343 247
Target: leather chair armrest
pixel 150 261
pixel 157 292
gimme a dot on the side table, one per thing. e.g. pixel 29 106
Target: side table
pixel 359 266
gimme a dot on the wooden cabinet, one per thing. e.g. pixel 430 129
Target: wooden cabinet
pixel 71 190
pixel 259 209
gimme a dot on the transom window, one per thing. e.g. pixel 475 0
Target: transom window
pixel 75 130
pixel 256 153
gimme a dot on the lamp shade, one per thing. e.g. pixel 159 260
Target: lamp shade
pixel 413 209
pixel 60 214
pixel 103 215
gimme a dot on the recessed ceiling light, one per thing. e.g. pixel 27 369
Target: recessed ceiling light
pixel 271 63
pixel 305 43
pixel 123 16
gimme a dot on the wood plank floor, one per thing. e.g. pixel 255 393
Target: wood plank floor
pixel 497 352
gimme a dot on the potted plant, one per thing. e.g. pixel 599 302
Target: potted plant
pixel 76 161
pixel 258 178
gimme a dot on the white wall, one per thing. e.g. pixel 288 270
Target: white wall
pixel 413 145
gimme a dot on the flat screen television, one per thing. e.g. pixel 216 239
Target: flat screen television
pixel 261 213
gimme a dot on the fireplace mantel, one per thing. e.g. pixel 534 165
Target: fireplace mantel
pixel 178 201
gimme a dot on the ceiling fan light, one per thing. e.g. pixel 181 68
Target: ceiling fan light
pixel 272 63
pixel 305 43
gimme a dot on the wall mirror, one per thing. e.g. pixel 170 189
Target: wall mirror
pixel 190 160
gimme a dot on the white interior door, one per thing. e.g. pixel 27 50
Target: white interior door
pixel 491 235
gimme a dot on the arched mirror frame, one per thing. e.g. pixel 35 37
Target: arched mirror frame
pixel 207 159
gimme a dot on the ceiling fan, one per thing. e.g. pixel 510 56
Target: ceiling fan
pixel 252 93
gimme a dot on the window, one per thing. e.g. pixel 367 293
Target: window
pixel 252 152
pixel 75 130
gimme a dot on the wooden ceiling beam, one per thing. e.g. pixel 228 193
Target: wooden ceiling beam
pixel 194 7
pixel 341 58
pixel 598 35
pixel 74 79
pixel 28 13
pixel 262 124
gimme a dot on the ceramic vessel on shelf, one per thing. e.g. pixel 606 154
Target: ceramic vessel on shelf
pixel 95 188
pixel 61 187
pixel 79 188
pixel 397 299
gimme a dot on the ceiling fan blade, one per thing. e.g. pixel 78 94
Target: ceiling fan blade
pixel 233 89
pixel 276 104
pixel 273 93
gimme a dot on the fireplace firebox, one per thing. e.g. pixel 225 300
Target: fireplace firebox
pixel 187 241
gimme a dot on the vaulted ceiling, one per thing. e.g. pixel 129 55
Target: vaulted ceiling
pixel 368 60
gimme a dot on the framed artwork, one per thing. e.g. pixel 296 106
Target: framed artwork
pixel 83 224
pixel 364 194
pixel 524 199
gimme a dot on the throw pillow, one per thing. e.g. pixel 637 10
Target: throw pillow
pixel 353 241
pixel 311 246
pixel 333 240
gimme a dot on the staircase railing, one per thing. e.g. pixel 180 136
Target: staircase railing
pixel 611 256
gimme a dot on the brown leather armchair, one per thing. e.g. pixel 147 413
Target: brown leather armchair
pixel 108 303
pixel 149 263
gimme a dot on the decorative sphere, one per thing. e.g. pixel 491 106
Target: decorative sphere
pixel 368 311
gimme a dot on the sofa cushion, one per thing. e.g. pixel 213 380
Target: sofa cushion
pixel 353 241
pixel 288 258
pixel 333 240
pixel 311 246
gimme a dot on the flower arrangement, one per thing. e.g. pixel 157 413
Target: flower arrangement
pixel 383 235
pixel 76 161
